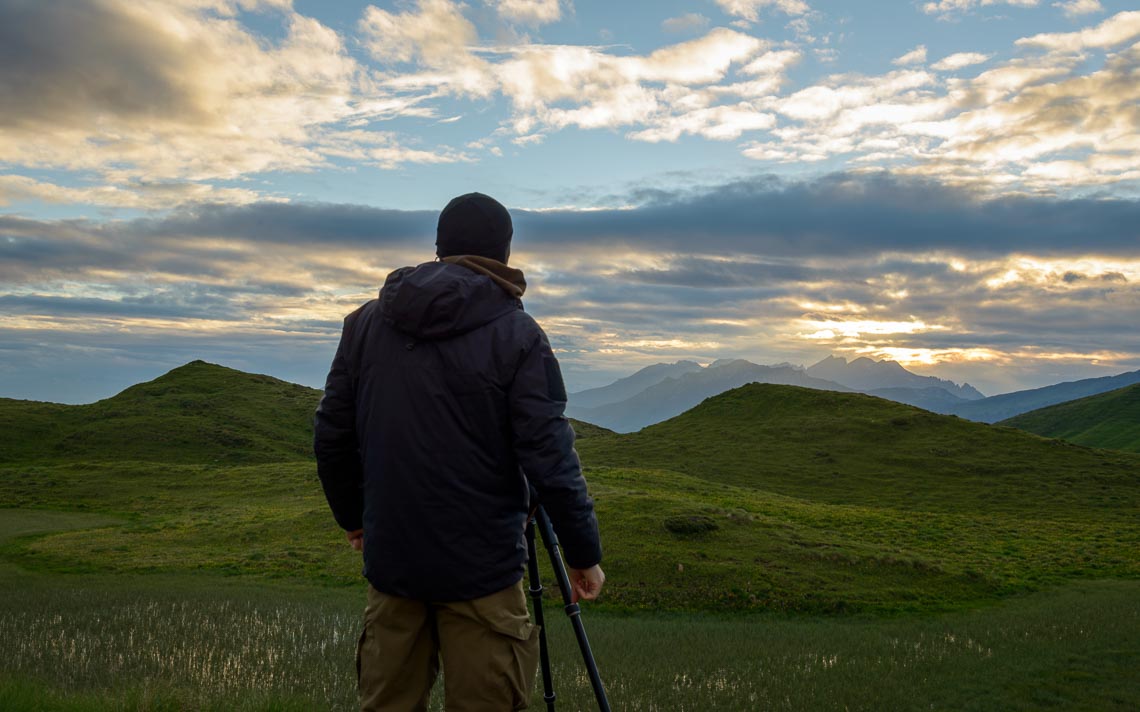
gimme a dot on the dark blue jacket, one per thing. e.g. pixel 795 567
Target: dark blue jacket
pixel 443 400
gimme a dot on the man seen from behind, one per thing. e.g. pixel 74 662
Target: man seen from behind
pixel 444 400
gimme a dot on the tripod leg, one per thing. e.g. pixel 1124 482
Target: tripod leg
pixel 572 609
pixel 536 597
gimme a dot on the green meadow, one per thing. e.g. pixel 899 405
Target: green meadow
pixel 774 548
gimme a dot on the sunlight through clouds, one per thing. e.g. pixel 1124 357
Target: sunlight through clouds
pixel 181 93
pixel 1037 119
pixel 855 329
pixel 764 179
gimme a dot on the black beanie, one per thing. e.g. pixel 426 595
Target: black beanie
pixel 474 224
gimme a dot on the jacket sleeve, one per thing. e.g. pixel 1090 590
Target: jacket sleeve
pixel 544 446
pixel 335 444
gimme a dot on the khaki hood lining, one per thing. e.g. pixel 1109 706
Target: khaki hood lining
pixel 511 280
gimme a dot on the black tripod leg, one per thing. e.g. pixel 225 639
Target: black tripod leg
pixel 572 609
pixel 536 597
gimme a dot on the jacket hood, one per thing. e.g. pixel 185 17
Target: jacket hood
pixel 510 279
pixel 438 300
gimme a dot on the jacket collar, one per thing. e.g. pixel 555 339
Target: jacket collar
pixel 511 280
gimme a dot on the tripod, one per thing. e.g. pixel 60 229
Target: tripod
pixel 572 610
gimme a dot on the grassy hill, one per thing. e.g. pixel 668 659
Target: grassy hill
pixel 199 412
pixel 773 498
pixel 1108 420
pixel 852 449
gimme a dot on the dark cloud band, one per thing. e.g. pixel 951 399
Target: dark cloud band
pixel 838 215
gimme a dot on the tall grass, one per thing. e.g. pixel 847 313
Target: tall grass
pixel 210 645
pixel 201 643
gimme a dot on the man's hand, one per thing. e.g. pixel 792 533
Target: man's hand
pixel 356 539
pixel 586 583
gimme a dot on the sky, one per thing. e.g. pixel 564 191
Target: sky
pixel 952 184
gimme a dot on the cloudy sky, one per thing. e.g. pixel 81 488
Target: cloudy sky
pixel 951 184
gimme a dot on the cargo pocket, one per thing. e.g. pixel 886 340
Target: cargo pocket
pixel 527 659
pixel 516 657
pixel 359 649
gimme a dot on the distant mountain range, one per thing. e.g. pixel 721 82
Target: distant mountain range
pixel 674 394
pixel 1007 405
pixel 867 376
pixel 664 390
pixel 630 386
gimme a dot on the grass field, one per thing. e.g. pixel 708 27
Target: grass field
pixel 749 549
pixel 101 642
pixel 775 548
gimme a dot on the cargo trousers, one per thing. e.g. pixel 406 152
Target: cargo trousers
pixel 488 648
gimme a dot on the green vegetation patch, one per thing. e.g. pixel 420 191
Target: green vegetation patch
pixel 1108 420
pixel 690 525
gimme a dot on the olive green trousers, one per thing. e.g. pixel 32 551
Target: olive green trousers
pixel 488 648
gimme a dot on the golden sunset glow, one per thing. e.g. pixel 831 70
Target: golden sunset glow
pixel 760 179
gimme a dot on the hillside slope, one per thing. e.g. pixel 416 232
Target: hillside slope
pixel 199 412
pixel 936 400
pixel 855 449
pixel 1108 420
pixel 1007 405
pixel 674 396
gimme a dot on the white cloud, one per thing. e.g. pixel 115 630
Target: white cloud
pixel 529 12
pixel 949 7
pixel 689 22
pixel 823 102
pixel 594 88
pixel 915 56
pixel 1118 29
pixel 959 60
pixel 826 54
pixel 700 61
pixel 718 123
pixel 554 86
pixel 435 35
pixel 1075 8
pixel 750 9
pixel 177 94
pixel 1041 123
pixel 244 104
pixel 775 62
pixel 148 196
pixel 383 149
